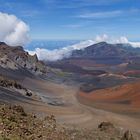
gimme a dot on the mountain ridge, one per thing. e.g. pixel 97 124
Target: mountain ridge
pixel 104 49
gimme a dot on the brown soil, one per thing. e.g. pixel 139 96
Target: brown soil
pixel 16 124
pixel 65 106
pixel 120 99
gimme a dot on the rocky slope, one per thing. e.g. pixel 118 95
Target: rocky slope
pixel 16 58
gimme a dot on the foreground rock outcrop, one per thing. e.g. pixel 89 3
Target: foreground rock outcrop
pixel 14 85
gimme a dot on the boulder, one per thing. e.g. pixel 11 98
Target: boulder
pixel 105 126
pixel 127 136
pixel 28 93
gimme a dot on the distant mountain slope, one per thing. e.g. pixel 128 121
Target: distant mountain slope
pixel 102 65
pixel 104 49
pixel 101 56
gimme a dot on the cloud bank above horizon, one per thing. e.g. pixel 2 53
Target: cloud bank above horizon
pixel 65 52
pixel 13 31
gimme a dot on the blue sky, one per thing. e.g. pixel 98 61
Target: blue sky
pixel 77 19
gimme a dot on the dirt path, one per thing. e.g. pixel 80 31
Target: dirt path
pixel 68 110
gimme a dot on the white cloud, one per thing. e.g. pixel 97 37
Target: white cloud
pixel 13 31
pixel 78 3
pixel 135 44
pixel 58 54
pixel 122 40
pixel 106 14
pixel 102 38
pixel 74 25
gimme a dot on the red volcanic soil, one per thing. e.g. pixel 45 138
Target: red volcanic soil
pixel 120 98
pixel 85 62
pixel 134 73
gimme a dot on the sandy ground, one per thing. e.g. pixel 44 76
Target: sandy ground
pixel 70 111
pixel 61 101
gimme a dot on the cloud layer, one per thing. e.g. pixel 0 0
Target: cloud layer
pixel 58 54
pixel 13 31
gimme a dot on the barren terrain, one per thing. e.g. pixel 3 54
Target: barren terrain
pixel 61 101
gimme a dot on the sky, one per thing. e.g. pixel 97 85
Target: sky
pixel 89 21
pixel 75 19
